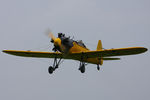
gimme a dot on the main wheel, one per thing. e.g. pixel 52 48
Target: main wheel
pixel 82 68
pixel 98 68
pixel 50 70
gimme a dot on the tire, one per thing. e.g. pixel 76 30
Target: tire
pixel 82 69
pixel 98 68
pixel 50 70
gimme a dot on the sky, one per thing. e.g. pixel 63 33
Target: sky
pixel 118 23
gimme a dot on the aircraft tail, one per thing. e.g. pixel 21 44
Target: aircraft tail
pixel 99 47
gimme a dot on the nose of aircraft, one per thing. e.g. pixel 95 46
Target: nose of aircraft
pixel 57 42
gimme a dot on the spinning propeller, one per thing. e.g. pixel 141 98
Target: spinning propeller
pixel 56 42
pixel 61 43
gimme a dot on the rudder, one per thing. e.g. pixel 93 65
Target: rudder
pixel 99 47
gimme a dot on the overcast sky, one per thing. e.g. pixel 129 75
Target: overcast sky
pixel 118 23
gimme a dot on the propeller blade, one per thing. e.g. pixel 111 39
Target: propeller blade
pixel 52 36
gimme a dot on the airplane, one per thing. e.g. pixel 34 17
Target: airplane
pixel 66 48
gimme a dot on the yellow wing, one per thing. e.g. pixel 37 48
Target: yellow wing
pixel 110 52
pixel 78 56
pixel 37 54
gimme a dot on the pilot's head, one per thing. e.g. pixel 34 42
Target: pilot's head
pixel 60 35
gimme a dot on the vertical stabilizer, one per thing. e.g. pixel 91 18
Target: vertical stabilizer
pixel 99 45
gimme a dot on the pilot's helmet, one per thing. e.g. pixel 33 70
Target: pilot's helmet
pixel 60 35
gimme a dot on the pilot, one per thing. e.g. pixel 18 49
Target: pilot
pixel 61 35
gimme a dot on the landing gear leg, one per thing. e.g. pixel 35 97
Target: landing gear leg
pixel 82 64
pixel 82 67
pixel 55 66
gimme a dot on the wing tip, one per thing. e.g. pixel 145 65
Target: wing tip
pixel 4 51
pixel 143 49
pixel 146 49
pixel 7 51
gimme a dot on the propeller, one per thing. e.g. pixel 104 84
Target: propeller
pixel 49 33
pixel 61 42
pixel 54 40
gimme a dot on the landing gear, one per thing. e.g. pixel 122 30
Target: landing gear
pixel 82 67
pixel 98 68
pixel 51 69
pixel 82 64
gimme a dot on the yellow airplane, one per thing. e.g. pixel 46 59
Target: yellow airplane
pixel 66 48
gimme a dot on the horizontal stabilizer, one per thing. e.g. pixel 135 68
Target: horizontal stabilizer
pixel 111 59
